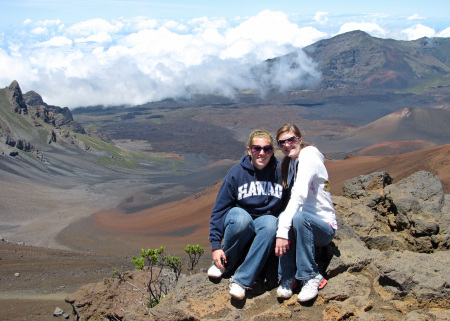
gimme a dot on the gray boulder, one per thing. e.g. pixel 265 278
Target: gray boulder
pixel 422 277
pixel 364 185
pixel 419 206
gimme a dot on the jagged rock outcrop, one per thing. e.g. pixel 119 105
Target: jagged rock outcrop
pixel 21 144
pixel 389 261
pixel 16 98
pixel 57 116
pixel 24 128
pixel 416 208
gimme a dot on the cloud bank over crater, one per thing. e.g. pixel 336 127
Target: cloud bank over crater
pixel 137 60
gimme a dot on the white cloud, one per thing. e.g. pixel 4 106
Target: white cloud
pixel 307 36
pixel 444 33
pixel 93 26
pixel 58 41
pixel 206 23
pixel 419 31
pixel 101 37
pixel 147 24
pixel 173 25
pixel 39 31
pixel 20 68
pixel 49 22
pixel 211 36
pixel 371 28
pixel 416 16
pixel 266 26
pixel 321 17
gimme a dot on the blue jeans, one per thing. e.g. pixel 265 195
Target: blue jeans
pixel 307 232
pixel 240 228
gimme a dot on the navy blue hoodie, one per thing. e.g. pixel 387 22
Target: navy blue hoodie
pixel 259 192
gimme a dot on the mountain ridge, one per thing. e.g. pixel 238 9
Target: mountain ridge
pixel 379 63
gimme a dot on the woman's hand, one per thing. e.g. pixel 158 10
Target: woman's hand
pixel 219 258
pixel 281 246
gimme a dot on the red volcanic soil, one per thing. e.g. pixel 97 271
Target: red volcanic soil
pixel 385 79
pixel 395 148
pixel 175 156
pixel 186 221
pixel 228 162
pixel 174 224
pixel 435 160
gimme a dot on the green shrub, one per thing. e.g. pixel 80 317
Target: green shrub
pixel 194 252
pixel 164 273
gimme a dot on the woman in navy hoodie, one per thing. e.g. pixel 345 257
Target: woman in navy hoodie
pixel 246 210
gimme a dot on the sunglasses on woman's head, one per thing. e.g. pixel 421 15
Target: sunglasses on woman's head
pixel 290 140
pixel 256 149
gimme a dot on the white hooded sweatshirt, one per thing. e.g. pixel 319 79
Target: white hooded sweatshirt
pixel 310 192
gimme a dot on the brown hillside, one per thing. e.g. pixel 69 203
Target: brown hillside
pixel 435 160
pixel 395 148
pixel 405 125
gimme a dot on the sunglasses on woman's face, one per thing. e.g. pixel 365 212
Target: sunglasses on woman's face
pixel 291 140
pixel 256 149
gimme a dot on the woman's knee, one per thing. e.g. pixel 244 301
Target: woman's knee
pixel 240 219
pixel 267 224
pixel 299 219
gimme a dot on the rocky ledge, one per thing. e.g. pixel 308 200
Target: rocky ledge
pixel 389 261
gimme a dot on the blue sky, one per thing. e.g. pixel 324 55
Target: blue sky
pixel 87 52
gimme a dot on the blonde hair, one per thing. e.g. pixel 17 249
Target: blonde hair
pixel 285 162
pixel 257 133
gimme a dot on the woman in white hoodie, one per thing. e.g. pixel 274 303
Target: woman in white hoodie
pixel 309 219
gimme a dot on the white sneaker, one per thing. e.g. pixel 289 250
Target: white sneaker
pixel 284 291
pixel 214 272
pixel 310 288
pixel 237 291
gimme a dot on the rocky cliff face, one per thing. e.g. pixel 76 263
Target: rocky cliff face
pixel 389 261
pixel 28 124
pixel 57 116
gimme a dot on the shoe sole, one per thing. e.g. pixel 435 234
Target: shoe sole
pixel 215 276
pixel 288 297
pixel 306 299
pixel 237 297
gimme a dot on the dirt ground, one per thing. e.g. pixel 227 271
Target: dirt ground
pixel 34 280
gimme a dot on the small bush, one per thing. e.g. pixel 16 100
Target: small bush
pixel 161 281
pixel 194 252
